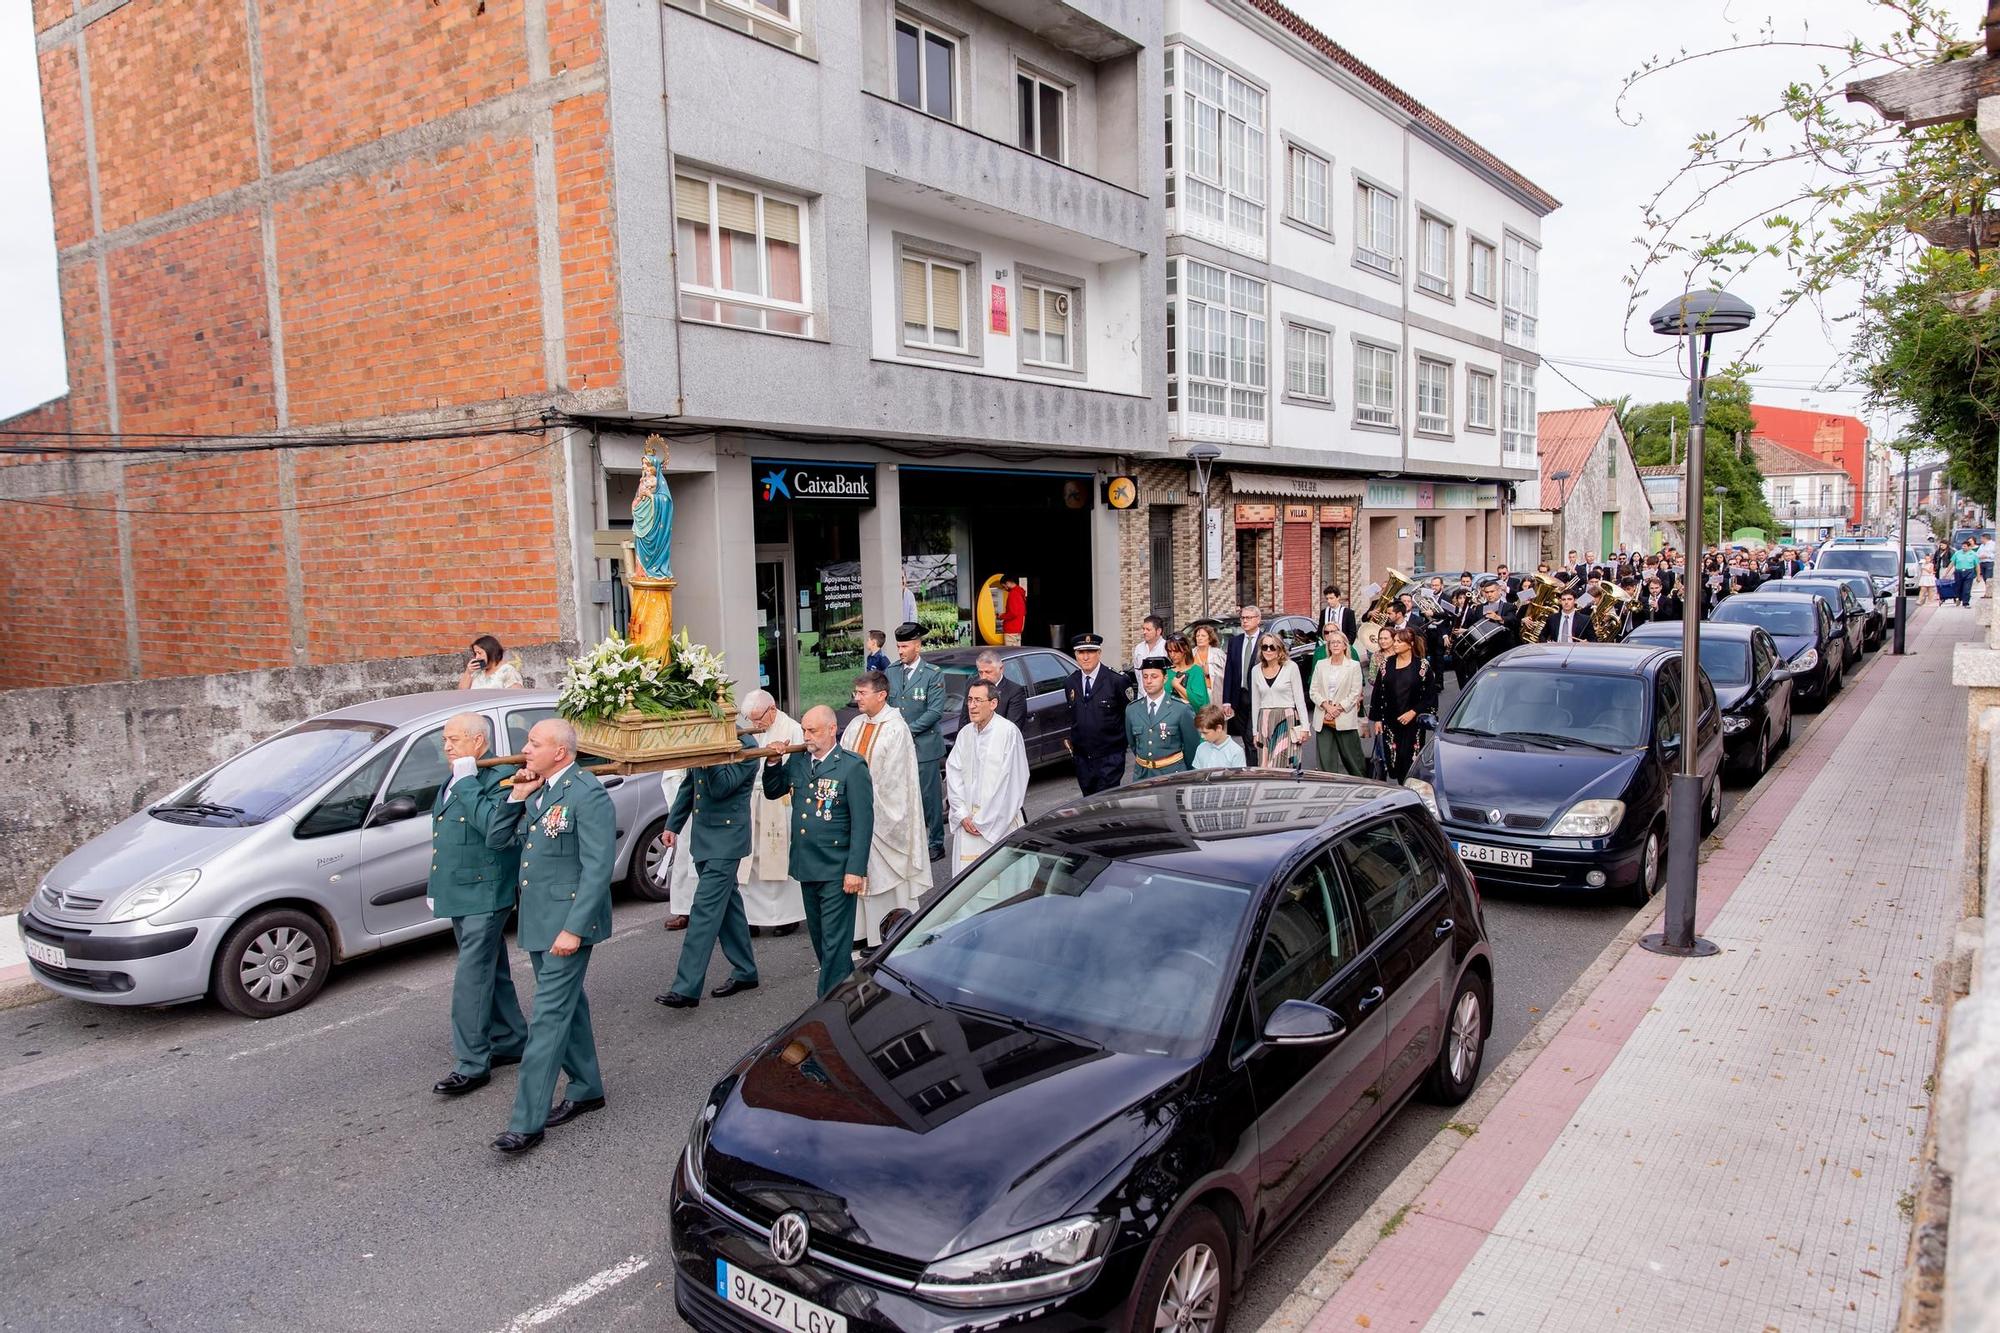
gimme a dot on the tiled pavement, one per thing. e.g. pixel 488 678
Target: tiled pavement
pixel 1721 1143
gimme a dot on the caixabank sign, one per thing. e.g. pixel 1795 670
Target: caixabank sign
pixel 782 481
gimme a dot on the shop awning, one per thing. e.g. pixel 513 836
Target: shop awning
pixel 1296 486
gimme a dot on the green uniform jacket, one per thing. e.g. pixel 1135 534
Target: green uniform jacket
pixel 718 799
pixel 468 876
pixel 833 815
pixel 921 700
pixel 568 838
pixel 1172 735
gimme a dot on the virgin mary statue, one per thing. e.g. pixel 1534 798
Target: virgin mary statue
pixel 652 578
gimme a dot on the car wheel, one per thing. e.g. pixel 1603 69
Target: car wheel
pixel 1785 741
pixel 1711 813
pixel 648 877
pixel 1836 677
pixel 1186 1283
pixel 1650 858
pixel 1763 752
pixel 272 963
pixel 1457 1066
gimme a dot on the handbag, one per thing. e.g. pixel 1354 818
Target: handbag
pixel 1378 757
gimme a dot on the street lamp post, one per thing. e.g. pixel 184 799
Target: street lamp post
pixel 1902 557
pixel 1203 455
pixel 1559 476
pixel 1698 317
pixel 1794 535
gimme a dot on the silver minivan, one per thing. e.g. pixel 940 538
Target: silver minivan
pixel 306 849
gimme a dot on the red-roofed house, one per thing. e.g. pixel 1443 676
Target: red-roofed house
pixel 1811 497
pixel 1600 502
pixel 1827 436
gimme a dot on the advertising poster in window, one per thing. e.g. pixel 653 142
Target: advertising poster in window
pixel 833 654
pixel 932 580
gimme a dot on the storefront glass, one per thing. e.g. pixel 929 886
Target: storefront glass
pixel 964 528
pixel 811 641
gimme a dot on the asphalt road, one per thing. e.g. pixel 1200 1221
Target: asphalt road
pixel 185 1169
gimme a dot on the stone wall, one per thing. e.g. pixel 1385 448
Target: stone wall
pixel 93 754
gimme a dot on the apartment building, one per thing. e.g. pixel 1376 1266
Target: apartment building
pixel 1352 321
pixel 1811 497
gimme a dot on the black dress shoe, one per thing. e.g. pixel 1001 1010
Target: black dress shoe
pixel 731 987
pixel 675 1000
pixel 511 1143
pixel 785 929
pixel 500 1060
pixel 456 1084
pixel 937 853
pixel 566 1110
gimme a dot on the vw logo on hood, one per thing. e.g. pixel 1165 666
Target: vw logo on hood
pixel 790 1235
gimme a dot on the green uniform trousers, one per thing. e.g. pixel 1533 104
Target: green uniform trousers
pixel 717 914
pixel 830 926
pixel 559 1040
pixel 930 783
pixel 485 1013
pixel 1340 752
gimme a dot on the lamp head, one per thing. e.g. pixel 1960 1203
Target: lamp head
pixel 1702 312
pixel 1560 474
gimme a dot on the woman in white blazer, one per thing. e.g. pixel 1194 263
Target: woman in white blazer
pixel 1336 699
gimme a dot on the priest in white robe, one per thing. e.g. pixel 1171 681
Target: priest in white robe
pixel 681 874
pixel 771 897
pixel 986 778
pixel 899 858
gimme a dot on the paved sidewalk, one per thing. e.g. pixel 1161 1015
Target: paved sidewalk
pixel 1722 1143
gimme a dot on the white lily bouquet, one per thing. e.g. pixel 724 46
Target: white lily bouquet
pixel 618 676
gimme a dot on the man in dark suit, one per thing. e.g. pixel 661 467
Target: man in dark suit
pixel 1335 612
pixel 563 821
pixel 1568 625
pixel 716 798
pixel 1013 697
pixel 1096 694
pixel 833 823
pixel 1239 660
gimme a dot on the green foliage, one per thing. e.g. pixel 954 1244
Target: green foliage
pixel 1654 427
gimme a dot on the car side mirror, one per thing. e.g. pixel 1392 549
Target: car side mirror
pixel 890 925
pixel 1302 1023
pixel 392 810
pixel 1782 673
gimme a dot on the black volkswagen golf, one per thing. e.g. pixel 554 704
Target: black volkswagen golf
pixel 1093 1081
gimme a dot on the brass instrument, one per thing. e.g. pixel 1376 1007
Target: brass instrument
pixel 1427 604
pixel 1539 608
pixel 1383 608
pixel 1607 617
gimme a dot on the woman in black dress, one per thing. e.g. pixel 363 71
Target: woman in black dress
pixel 1405 689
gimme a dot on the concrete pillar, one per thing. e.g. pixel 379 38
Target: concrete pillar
pixel 715 564
pixel 882 555
pixel 1104 581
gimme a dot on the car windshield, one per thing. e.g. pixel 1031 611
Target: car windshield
pixel 1127 957
pixel 268 778
pixel 1777 617
pixel 1727 661
pixel 958 678
pixel 1826 592
pixel 1874 560
pixel 1561 705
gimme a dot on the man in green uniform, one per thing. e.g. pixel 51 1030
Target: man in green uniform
pixel 916 690
pixel 833 822
pixel 1159 729
pixel 473 886
pixel 562 819
pixel 717 798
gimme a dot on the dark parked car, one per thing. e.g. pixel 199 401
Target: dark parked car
pixel 1299 634
pixel 1090 1084
pixel 1878 560
pixel 1867 594
pixel 1551 772
pixel 1848 613
pixel 1040 671
pixel 1751 682
pixel 1809 639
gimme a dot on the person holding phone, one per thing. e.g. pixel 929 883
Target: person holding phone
pixel 488 669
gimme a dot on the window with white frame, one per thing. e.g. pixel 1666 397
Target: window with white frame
pixel 1479 400
pixel 774 21
pixel 1041 106
pixel 932 292
pixel 1825 496
pixel 1216 178
pixel 742 255
pixel 1479 266
pixel 1217 377
pixel 1308 181
pixel 1047 328
pixel 1375 384
pixel 1521 288
pixel 1433 396
pixel 1434 255
pixel 926 68
pixel 1307 352
pixel 1782 493
pixel 1375 214
pixel 1517 408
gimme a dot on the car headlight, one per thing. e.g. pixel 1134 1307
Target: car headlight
pixel 1589 819
pixel 1805 661
pixel 155 895
pixel 1424 789
pixel 697 1148
pixel 1732 725
pixel 1047 1261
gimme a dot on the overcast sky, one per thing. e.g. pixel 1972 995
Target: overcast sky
pixel 1532 80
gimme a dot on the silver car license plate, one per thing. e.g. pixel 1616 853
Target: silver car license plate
pixel 48 955
pixel 1517 857
pixel 774 1305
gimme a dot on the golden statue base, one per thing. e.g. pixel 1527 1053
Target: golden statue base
pixel 646 742
pixel 652 622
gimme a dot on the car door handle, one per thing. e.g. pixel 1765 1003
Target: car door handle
pixel 1443 928
pixel 1371 999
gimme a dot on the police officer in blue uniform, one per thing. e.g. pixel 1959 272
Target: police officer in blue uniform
pixel 1097 695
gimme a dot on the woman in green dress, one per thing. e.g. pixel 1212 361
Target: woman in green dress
pixel 1186 678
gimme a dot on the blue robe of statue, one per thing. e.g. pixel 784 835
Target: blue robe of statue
pixel 653 524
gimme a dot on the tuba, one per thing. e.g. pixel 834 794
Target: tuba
pixel 1541 605
pixel 1607 618
pixel 1384 606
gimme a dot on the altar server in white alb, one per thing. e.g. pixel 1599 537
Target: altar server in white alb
pixel 771 897
pixel 899 859
pixel 986 778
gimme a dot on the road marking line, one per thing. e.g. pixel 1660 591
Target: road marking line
pixel 595 1285
pixel 325 1027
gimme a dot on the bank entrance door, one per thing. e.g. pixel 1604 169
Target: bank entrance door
pixel 777 648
